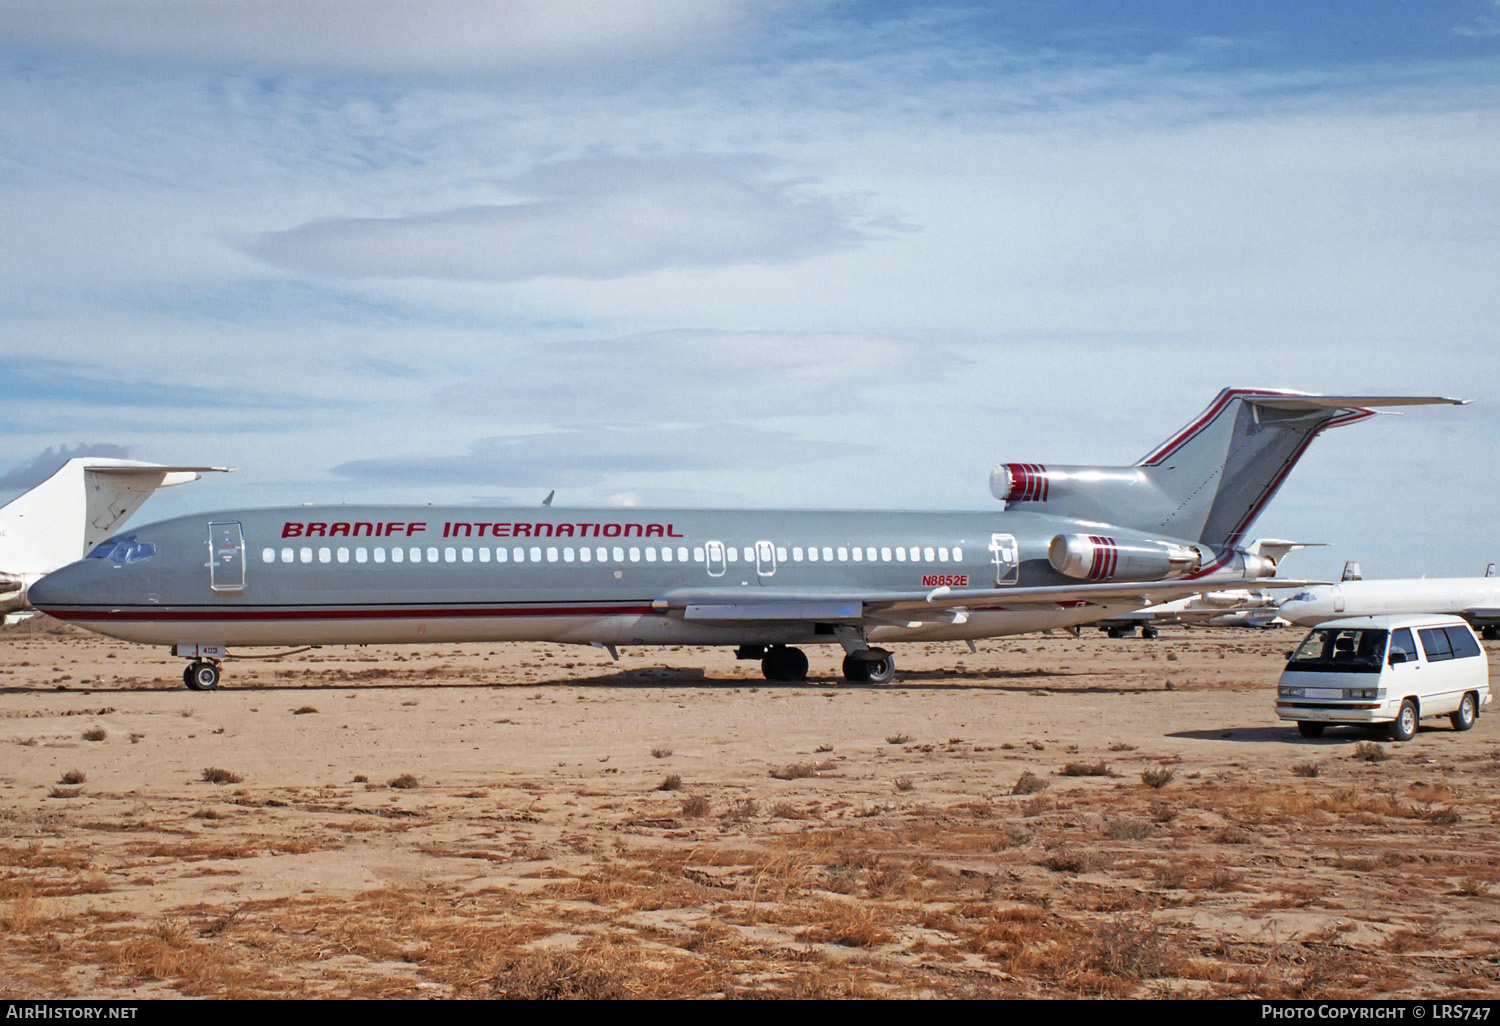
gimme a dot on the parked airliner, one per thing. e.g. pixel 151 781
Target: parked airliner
pixel 69 513
pixel 1073 545
pixel 1476 599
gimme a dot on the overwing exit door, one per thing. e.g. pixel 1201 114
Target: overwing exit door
pixel 1005 553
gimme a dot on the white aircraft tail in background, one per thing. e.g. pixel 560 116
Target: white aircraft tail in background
pixel 76 508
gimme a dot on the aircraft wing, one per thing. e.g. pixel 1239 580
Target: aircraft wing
pixel 777 605
pixel 1482 616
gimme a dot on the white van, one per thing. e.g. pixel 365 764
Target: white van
pixel 1385 669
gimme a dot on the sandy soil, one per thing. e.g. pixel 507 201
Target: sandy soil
pixel 1050 817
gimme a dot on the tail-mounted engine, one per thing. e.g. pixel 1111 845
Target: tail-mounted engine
pixel 1093 557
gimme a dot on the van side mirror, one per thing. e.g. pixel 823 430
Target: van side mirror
pixel 1397 658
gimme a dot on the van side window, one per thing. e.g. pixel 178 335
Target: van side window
pixel 1401 641
pixel 1435 644
pixel 1462 640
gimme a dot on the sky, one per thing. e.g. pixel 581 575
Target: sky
pixel 760 254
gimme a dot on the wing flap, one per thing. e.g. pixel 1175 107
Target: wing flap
pixel 814 606
pixel 827 610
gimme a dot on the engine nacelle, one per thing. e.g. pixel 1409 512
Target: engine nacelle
pixel 1093 557
pixel 1032 482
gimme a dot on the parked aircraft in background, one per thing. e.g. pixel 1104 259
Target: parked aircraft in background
pixel 1476 599
pixel 1228 607
pixel 1073 545
pixel 65 516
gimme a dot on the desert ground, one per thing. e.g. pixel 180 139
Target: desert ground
pixel 1051 817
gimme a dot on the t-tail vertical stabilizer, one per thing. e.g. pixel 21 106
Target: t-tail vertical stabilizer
pixel 1210 480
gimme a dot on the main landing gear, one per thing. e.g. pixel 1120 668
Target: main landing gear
pixel 870 666
pixel 862 664
pixel 783 663
pixel 201 675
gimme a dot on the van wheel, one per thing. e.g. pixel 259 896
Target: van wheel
pixel 1404 726
pixel 1307 729
pixel 1468 711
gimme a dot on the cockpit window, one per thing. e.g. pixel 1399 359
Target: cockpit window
pixel 1303 596
pixel 1340 651
pixel 122 550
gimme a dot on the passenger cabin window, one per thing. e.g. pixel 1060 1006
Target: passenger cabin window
pixel 1436 644
pixel 1462 640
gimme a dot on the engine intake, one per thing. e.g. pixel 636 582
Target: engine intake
pixel 1033 482
pixel 1093 557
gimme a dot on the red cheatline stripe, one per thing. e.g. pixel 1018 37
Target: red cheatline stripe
pixel 154 614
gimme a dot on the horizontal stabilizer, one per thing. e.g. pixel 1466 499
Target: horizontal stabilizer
pixel 1349 402
pixel 1275 549
pixel 151 470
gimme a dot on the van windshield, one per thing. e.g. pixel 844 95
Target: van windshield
pixel 1327 650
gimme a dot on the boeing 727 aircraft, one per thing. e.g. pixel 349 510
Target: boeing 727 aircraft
pixel 1073 545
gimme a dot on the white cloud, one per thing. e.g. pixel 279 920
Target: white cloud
pixel 598 217
pixel 444 38
pixel 691 376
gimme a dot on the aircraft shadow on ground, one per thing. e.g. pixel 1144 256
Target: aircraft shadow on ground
pixel 1286 733
pixel 1002 681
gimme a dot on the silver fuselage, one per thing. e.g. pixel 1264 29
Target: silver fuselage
pixel 366 574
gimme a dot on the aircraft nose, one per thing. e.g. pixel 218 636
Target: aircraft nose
pixel 60 587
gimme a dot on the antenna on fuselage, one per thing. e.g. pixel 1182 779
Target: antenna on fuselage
pixel 548 500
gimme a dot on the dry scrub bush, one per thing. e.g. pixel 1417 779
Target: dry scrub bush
pixel 1442 817
pixel 73 777
pixel 1066 860
pixel 1369 751
pixel 1158 778
pixel 95 734
pixel 847 924
pixel 589 974
pixel 214 775
pixel 1130 948
pixel 1029 783
pixel 1086 769
pixel 405 781
pixel 1128 830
